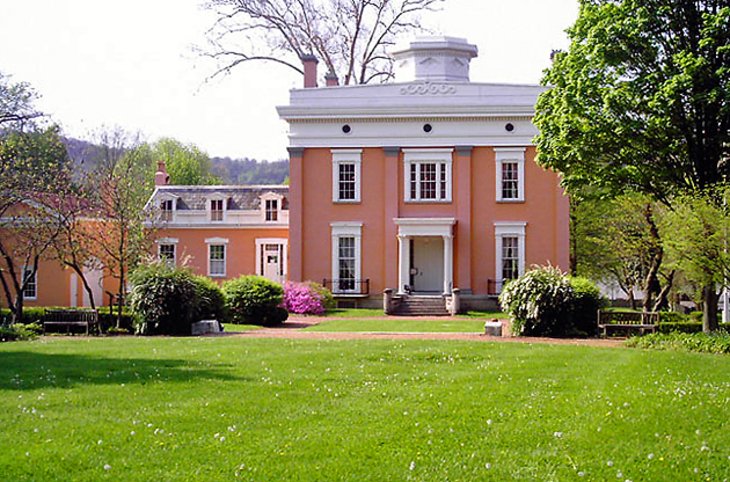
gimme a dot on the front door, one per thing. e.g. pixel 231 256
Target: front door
pixel 427 264
pixel 272 259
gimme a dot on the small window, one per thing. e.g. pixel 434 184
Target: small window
pixel 216 210
pixel 166 210
pixel 217 260
pixel 429 181
pixel 167 253
pixel 30 280
pixel 346 165
pixel 272 210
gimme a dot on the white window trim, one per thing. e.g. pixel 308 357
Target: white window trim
pixel 218 242
pixel 271 196
pixel 346 156
pixel 346 229
pixel 260 243
pixel 420 156
pixel 168 197
pixel 510 154
pixel 509 229
pixel 209 207
pixel 173 241
pixel 35 276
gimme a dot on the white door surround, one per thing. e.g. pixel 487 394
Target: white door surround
pixel 271 259
pixel 409 228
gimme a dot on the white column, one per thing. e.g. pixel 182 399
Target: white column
pixel 404 258
pixel 448 263
pixel 726 305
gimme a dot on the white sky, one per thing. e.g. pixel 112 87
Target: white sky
pixel 130 63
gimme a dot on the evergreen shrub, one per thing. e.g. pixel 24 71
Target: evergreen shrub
pixel 254 300
pixel 163 299
pixel 586 302
pixel 211 302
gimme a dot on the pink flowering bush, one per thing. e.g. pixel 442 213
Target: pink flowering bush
pixel 304 298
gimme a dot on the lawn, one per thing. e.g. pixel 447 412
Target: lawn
pixel 232 408
pixel 415 325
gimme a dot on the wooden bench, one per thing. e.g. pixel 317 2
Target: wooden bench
pixel 628 321
pixel 88 319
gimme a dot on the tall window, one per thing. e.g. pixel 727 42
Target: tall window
pixel 166 210
pixel 346 254
pixel 510 178
pixel 510 250
pixel 346 263
pixel 510 173
pixel 272 209
pixel 217 260
pixel 216 210
pixel 428 175
pixel 510 258
pixel 167 253
pixel 346 175
pixel 30 279
pixel 346 188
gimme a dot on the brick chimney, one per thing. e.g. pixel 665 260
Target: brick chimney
pixel 331 79
pixel 162 178
pixel 310 70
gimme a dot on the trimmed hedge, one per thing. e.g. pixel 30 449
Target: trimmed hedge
pixel 34 314
pixel 254 300
pixel 211 302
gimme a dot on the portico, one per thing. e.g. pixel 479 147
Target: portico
pixel 425 254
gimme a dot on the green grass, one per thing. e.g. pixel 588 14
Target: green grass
pixel 233 327
pixel 401 325
pixel 158 409
pixel 483 315
pixel 355 313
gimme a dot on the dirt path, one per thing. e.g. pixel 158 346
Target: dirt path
pixel 293 329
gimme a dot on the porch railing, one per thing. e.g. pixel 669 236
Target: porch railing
pixel 494 287
pixel 347 286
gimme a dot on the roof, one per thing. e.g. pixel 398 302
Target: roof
pixel 236 197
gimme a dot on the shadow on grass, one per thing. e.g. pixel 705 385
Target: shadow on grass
pixel 25 370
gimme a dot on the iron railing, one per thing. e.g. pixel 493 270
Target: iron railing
pixel 347 286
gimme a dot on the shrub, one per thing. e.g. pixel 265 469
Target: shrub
pixel 211 302
pixel 539 302
pixel 254 300
pixel 718 342
pixel 327 299
pixel 673 317
pixel 20 331
pixel 164 299
pixel 586 302
pixel 31 314
pixel 304 298
pixel 678 326
pixel 108 319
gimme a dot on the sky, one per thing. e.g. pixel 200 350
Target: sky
pixel 133 64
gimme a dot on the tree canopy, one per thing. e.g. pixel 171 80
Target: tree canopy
pixel 641 99
pixel 349 36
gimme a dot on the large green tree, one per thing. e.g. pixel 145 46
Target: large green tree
pixel 641 99
pixel 186 163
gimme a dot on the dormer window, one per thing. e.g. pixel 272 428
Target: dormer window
pixel 272 209
pixel 216 209
pixel 166 210
pixel 271 204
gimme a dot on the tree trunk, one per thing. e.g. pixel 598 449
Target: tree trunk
pixel 18 309
pixel 572 229
pixel 651 282
pixel 632 300
pixel 709 308
pixel 662 301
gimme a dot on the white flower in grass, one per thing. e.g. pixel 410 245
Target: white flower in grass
pixel 581 474
pixel 107 467
pixel 489 422
pixel 99 442
pixel 216 435
pixel 650 456
pixel 487 466
pixel 132 433
pixel 412 466
pixel 558 434
pixel 610 463
pixel 619 474
pixel 222 439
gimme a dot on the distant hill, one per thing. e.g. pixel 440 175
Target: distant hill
pixel 86 156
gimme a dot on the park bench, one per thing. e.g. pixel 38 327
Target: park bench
pixel 69 318
pixel 627 321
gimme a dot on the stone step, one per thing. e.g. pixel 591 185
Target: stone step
pixel 422 306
